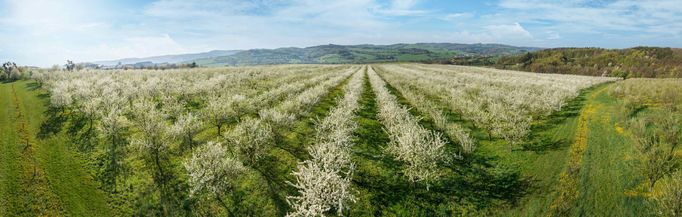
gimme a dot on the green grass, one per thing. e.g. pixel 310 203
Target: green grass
pixel 607 171
pixel 263 192
pixel 468 187
pixel 545 154
pixel 63 181
pixel 10 160
pixel 372 168
pixel 491 182
pixel 539 160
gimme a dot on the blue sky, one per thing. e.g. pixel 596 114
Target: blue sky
pixel 45 32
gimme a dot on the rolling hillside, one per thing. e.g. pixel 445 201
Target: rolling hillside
pixel 168 58
pixel 650 62
pixel 334 54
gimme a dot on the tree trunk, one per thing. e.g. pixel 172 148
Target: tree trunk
pixel 190 141
pixel 113 165
pixel 223 204
pixel 160 172
pixel 162 182
pixel 90 119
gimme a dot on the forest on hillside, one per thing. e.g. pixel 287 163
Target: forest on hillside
pixel 647 62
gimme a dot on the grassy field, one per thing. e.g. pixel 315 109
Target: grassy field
pixel 45 177
pixel 580 156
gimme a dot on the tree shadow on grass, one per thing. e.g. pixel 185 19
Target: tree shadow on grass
pixel 292 142
pixel 483 183
pixel 475 182
pixel 52 124
pixel 388 188
pixel 77 129
pixel 33 86
pixel 542 144
pixel 276 183
pixel 81 135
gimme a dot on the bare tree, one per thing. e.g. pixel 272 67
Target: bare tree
pixel 70 66
pixel 8 68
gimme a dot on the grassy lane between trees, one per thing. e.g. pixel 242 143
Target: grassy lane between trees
pixel 568 185
pixel 522 178
pixel 40 176
pixel 607 174
pixel 263 192
pixel 546 154
pixel 291 146
pixel 593 174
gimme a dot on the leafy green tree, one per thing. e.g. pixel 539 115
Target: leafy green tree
pixel 655 161
pixel 669 200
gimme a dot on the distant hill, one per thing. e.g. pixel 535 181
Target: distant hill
pixel 651 62
pixel 168 58
pixel 332 54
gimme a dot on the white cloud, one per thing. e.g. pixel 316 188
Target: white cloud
pixel 401 8
pixel 457 16
pixel 621 15
pixel 44 32
pixel 553 35
pixel 206 8
pixel 403 4
pixel 137 47
pixel 513 34
pixel 511 30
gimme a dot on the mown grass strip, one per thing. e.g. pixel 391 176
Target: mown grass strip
pixel 10 155
pixel 608 178
pixel 36 191
pixel 54 180
pixel 568 186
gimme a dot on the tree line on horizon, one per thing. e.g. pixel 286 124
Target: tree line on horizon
pixel 647 62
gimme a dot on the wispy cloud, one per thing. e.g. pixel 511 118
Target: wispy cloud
pixel 45 32
pixel 624 15
pixel 457 16
pixel 401 8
